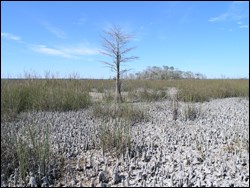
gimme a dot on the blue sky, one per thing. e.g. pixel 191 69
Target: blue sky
pixel 211 38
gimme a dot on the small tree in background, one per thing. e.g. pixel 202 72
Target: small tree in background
pixel 114 43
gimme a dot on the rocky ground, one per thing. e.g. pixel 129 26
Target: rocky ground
pixel 207 148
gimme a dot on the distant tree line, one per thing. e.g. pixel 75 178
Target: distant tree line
pixel 164 73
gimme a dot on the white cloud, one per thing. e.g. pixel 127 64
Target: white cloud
pixel 11 36
pixel 235 12
pixel 50 51
pixel 66 52
pixel 244 26
pixel 54 30
pixel 81 51
pixel 241 25
pixel 221 17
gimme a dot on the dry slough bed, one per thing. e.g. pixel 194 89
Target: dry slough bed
pixel 211 150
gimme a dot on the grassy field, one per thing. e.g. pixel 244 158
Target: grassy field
pixel 19 95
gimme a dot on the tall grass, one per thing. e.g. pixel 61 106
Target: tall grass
pixel 33 150
pixel 147 95
pixel 8 149
pixel 47 95
pixel 73 93
pixel 191 112
pixel 115 137
pixel 26 147
pixel 205 90
pixel 127 112
pixel 22 157
pixel 189 90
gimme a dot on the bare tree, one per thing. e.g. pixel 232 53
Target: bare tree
pixel 114 43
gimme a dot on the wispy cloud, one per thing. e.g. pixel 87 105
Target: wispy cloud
pixel 54 30
pixel 66 52
pixel 49 51
pixel 81 21
pixel 236 11
pixel 221 17
pixel 11 37
pixel 241 25
pixel 81 51
pixel 244 26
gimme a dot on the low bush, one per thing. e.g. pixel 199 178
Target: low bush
pixel 123 111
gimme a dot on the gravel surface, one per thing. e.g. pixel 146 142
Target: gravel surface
pixel 207 145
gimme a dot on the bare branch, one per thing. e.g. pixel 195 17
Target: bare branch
pixel 126 59
pixel 108 43
pixel 110 65
pixel 109 46
pixel 125 70
pixel 108 54
pixel 127 50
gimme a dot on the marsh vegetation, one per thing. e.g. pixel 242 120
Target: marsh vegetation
pixel 35 151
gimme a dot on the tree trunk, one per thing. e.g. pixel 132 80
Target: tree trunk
pixel 118 90
pixel 118 82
